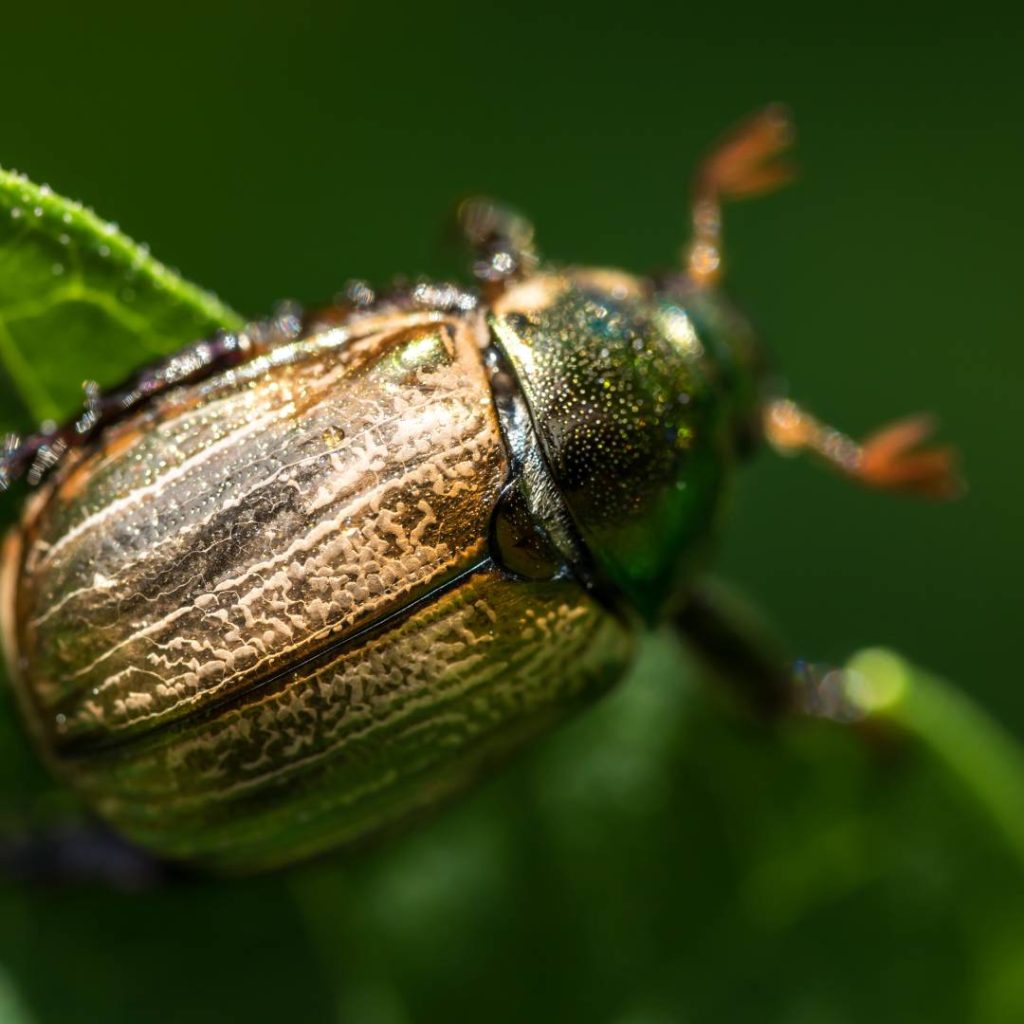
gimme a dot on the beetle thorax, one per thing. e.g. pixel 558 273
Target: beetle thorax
pixel 625 401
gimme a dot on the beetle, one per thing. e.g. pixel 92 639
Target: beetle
pixel 293 586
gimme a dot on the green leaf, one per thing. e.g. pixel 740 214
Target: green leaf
pixel 12 1010
pixel 80 301
pixel 979 753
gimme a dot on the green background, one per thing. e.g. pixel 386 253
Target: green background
pixel 660 860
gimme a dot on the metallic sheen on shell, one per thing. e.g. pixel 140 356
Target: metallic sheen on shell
pixel 293 605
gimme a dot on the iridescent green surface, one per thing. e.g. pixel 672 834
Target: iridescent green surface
pixel 636 412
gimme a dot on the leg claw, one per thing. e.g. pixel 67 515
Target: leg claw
pixel 893 459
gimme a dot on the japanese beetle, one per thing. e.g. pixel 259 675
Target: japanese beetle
pixel 297 584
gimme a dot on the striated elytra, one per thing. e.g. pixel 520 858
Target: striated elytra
pixel 307 581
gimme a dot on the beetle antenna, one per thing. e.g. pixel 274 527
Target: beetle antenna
pixel 891 459
pixel 744 162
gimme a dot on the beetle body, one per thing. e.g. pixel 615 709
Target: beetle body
pixel 288 606
pixel 293 600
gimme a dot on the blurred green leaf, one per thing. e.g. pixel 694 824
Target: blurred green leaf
pixel 80 301
pixel 660 860
pixel 12 1011
pixel 199 953
pixel 980 754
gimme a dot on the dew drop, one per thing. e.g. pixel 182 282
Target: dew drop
pixel 64 239
pixel 66 218
pixel 57 269
pixel 104 251
pixel 15 213
pixel 38 211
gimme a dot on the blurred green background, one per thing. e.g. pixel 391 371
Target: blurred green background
pixel 660 860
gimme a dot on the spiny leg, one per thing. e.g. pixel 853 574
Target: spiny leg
pixel 744 163
pixel 502 242
pixel 891 459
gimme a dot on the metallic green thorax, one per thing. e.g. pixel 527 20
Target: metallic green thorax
pixel 640 409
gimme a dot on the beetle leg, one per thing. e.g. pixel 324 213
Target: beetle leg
pixel 745 162
pixel 891 459
pixel 727 637
pixel 80 854
pixel 724 635
pixel 502 242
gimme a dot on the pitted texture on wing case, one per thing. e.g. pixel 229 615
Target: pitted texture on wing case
pixel 236 527
pixel 353 743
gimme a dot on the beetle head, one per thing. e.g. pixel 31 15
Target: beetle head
pixel 641 396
